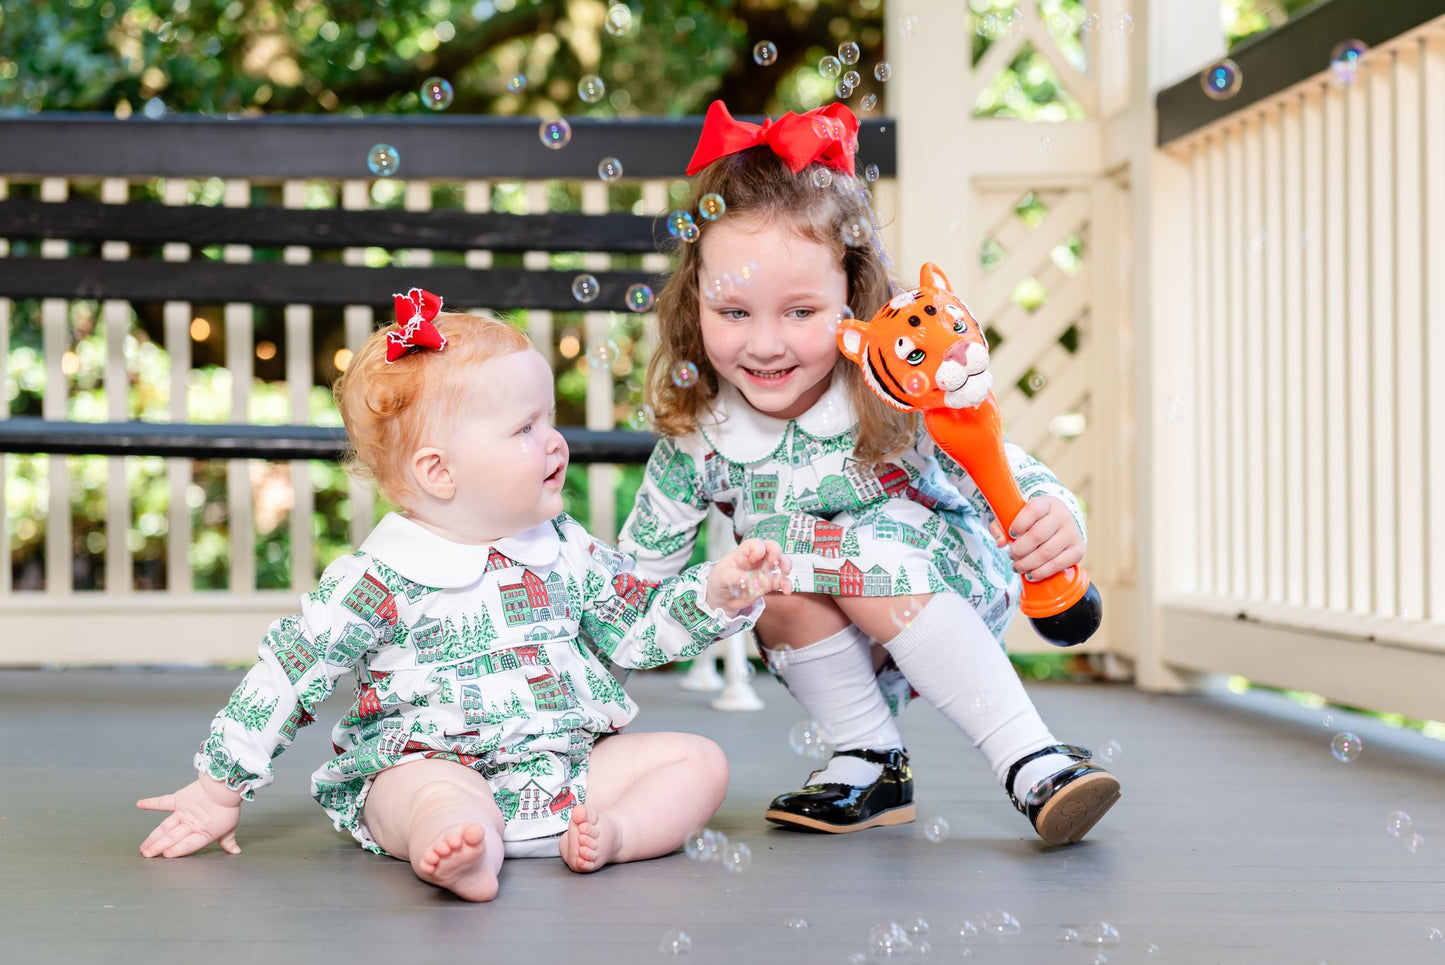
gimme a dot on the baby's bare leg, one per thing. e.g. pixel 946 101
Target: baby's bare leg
pixel 645 794
pixel 440 816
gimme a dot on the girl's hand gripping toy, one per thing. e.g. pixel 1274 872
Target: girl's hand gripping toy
pixel 924 352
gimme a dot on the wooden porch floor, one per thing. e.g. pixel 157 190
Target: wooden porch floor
pixel 1239 839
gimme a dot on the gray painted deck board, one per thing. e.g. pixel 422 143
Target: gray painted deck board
pixel 1238 839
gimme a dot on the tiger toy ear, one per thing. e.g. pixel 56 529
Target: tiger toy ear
pixel 852 333
pixel 931 276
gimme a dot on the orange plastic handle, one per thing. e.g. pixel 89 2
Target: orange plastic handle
pixel 973 437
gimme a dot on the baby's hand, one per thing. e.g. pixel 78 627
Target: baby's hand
pixel 1046 538
pixel 755 568
pixel 203 811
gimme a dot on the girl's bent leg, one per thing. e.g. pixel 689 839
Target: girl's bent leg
pixel 440 816
pixel 645 794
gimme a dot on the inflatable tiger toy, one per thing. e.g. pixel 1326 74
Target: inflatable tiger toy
pixel 925 352
pixel 923 349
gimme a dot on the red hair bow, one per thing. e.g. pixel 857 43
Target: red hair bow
pixel 828 135
pixel 414 314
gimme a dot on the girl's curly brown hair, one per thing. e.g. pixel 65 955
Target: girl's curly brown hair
pixel 757 185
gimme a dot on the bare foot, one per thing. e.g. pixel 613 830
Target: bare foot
pixel 460 861
pixel 589 841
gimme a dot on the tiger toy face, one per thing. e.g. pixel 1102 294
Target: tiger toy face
pixel 923 350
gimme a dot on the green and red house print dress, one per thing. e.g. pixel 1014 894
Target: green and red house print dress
pixel 495 656
pixel 916 524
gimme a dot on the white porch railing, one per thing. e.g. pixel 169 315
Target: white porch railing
pixel 1299 402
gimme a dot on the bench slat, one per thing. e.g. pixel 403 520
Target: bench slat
pixel 275 227
pixel 26 434
pixel 271 283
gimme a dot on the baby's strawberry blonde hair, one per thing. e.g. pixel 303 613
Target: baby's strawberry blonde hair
pixel 757 185
pixel 392 409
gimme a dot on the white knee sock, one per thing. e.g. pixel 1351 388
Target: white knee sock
pixel 834 681
pixel 951 658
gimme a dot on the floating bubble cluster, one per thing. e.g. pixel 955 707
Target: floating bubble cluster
pixel 383 160
pixel 437 93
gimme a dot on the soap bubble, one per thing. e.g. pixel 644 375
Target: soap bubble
pixel 966 931
pixel 936 829
pixel 639 297
pixel 868 102
pixel 1414 843
pixel 797 924
pixel 822 177
pixel 602 353
pixel 1091 22
pixel 1346 747
pixel 675 943
pixel 852 78
pixel 676 219
pixel 830 67
pixel 1123 25
pixel 882 71
pixel 871 172
pixel 609 169
pixel 765 53
pixel 848 52
pixel 809 739
pixel 1110 752
pixel 1099 933
pixel 555 132
pixel 737 857
pixel 711 206
pixel 437 93
pixel 585 288
pixel 1433 936
pixel 684 375
pixel 1069 936
pixel 889 940
pixel 1221 80
pixel 591 88
pixel 844 90
pixel 999 923
pixel 689 232
pixel 383 159
pixel 517 83
pixel 1345 59
pixel 903 610
pixel 1398 823
pixel 618 20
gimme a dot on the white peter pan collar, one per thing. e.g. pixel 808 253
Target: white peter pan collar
pixel 422 556
pixel 744 435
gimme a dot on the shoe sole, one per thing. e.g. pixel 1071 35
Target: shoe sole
pixel 899 815
pixel 1068 815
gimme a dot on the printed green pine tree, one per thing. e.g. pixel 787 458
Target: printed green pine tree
pixel 250 709
pixel 606 691
pixel 901 586
pixel 324 589
pixel 849 547
pixel 507 801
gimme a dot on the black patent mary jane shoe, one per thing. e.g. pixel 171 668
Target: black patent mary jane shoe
pixel 1063 807
pixel 840 808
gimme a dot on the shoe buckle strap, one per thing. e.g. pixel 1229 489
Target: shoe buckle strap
pixel 1068 750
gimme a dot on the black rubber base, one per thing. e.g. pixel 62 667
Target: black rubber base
pixel 1074 625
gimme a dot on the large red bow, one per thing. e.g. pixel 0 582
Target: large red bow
pixel 828 135
pixel 414 314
